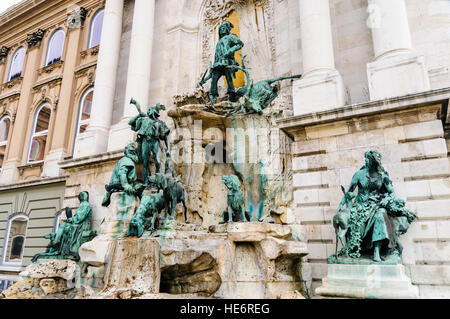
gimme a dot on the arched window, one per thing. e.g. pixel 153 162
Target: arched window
pixel 5 124
pixel 55 47
pixel 39 133
pixel 16 230
pixel 15 69
pixel 95 32
pixel 84 112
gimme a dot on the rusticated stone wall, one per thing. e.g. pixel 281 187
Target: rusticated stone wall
pixel 411 142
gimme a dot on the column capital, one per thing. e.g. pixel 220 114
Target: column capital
pixel 76 18
pixel 34 39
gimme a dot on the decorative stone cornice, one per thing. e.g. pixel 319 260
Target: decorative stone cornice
pixel 76 18
pixel 4 53
pixel 13 83
pixel 34 39
pixel 50 68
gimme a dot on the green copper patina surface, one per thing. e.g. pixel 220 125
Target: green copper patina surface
pixel 151 130
pixel 124 176
pixel 373 220
pixel 150 206
pixel 173 193
pixel 226 47
pixel 73 233
pixel 235 200
pixel 257 96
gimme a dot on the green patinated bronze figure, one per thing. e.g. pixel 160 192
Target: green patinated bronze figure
pixel 372 221
pixel 257 96
pixel 235 201
pixel 226 47
pixel 150 206
pixel 151 130
pixel 173 192
pixel 124 176
pixel 73 233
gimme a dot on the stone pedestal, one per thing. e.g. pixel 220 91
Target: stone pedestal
pixel 115 225
pixel 367 281
pixel 235 260
pixel 55 278
pixel 318 92
pixel 391 75
pixel 134 266
pixel 397 69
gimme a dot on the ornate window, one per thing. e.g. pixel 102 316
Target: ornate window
pixel 15 69
pixel 95 31
pixel 39 134
pixel 16 230
pixel 5 124
pixel 84 112
pixel 55 47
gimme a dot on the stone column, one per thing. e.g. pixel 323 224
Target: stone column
pixel 139 67
pixel 65 110
pixel 321 86
pixel 95 139
pixel 397 69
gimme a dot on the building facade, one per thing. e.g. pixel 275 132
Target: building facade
pixel 375 76
pixel 47 71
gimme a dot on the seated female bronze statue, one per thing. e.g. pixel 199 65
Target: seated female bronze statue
pixel 375 219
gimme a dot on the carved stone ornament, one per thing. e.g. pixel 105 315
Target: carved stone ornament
pixel 76 19
pixel 4 53
pixel 214 11
pixel 35 38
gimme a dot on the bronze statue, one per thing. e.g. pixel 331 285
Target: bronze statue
pixel 226 47
pixel 150 131
pixel 373 220
pixel 257 96
pixel 173 192
pixel 73 233
pixel 150 206
pixel 235 200
pixel 124 176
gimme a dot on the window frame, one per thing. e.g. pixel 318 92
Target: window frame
pixel 89 44
pixel 5 143
pixel 80 113
pixel 12 61
pixel 6 117
pixel 33 131
pixel 5 243
pixel 46 62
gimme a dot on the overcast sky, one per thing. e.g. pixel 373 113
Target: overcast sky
pixel 5 4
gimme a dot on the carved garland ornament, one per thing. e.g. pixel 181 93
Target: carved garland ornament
pixel 216 10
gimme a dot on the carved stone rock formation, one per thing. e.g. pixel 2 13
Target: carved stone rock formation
pixel 52 279
pixel 198 275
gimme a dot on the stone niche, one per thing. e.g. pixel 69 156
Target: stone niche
pixel 208 145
